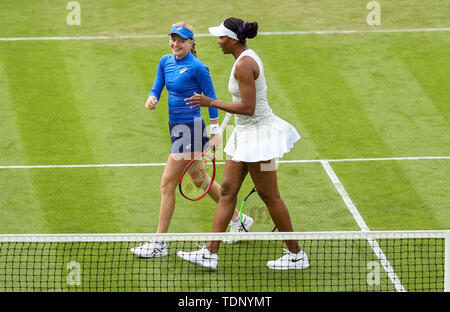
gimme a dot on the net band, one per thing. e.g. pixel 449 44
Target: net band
pixel 117 237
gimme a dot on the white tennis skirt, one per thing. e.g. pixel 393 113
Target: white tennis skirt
pixel 265 140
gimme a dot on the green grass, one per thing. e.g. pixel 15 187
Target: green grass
pixel 349 95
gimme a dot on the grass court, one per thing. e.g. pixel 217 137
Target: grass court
pixel 376 97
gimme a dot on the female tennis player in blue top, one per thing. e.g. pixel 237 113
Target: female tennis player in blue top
pixel 184 75
pixel 258 138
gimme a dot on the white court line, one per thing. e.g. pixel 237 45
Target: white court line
pixel 222 163
pixel 367 159
pixel 347 200
pixel 273 33
pixel 363 226
pixel 83 166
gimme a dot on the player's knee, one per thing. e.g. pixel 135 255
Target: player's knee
pixel 227 191
pixel 269 198
pixel 167 186
pixel 264 197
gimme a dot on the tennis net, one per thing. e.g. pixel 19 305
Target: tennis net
pixel 339 261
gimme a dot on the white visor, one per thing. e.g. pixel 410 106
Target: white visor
pixel 221 30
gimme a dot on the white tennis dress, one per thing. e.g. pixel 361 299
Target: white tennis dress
pixel 263 136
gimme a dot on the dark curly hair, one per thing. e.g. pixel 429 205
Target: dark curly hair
pixel 243 30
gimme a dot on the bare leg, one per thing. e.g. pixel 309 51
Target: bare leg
pixel 214 192
pixel 267 186
pixel 235 173
pixel 169 182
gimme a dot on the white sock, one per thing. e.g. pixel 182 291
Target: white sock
pixel 238 219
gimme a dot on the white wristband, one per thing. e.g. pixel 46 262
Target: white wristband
pixel 214 129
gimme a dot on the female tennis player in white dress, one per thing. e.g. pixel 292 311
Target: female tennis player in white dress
pixel 258 139
pixel 179 82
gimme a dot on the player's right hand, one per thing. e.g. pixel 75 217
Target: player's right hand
pixel 151 102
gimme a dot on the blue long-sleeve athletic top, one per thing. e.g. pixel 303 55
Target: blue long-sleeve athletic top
pixel 183 77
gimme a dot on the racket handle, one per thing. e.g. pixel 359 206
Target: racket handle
pixel 225 122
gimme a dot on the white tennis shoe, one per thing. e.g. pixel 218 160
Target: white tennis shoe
pixel 290 261
pixel 202 257
pixel 150 250
pixel 237 226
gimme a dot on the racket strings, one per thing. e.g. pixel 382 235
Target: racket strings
pixel 199 176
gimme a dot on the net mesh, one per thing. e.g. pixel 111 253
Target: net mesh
pixel 338 262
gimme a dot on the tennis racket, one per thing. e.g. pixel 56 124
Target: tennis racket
pixel 198 175
pixel 253 206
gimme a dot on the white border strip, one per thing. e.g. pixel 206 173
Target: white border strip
pixel 273 33
pixel 363 226
pixel 222 163
pixel 447 263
